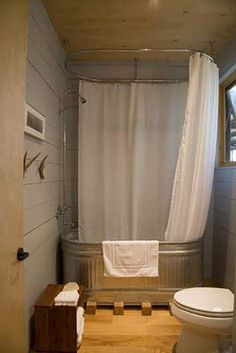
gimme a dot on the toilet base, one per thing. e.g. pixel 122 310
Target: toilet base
pixel 196 341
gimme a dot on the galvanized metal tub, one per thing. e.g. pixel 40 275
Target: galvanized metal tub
pixel 180 266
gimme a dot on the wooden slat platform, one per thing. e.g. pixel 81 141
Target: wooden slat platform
pixel 119 307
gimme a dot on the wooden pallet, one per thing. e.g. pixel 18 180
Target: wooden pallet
pixel 118 308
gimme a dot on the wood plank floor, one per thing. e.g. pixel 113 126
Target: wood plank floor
pixel 131 333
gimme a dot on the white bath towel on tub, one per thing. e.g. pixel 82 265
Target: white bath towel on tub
pixel 135 258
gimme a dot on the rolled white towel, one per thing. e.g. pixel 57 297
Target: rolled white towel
pixel 67 297
pixel 79 324
pixel 79 337
pixel 79 316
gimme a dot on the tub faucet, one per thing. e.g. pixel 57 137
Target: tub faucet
pixel 61 210
pixel 68 222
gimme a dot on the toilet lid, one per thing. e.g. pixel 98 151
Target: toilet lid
pixel 216 302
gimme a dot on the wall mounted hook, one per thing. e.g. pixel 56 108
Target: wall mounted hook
pixel 27 165
pixel 41 168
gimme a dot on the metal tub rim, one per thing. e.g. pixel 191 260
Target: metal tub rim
pixel 71 242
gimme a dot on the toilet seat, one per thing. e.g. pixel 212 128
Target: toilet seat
pixel 206 314
pixel 204 301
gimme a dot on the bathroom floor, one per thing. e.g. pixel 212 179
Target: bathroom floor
pixel 130 333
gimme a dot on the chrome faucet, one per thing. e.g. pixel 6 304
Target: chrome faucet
pixel 68 222
pixel 61 210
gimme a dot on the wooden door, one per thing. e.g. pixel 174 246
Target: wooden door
pixel 13 23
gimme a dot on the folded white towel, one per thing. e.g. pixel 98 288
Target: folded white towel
pixel 67 298
pixel 66 303
pixel 79 324
pixel 70 286
pixel 135 258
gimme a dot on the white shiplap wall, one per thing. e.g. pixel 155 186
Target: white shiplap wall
pixel 45 83
pixel 224 244
pixel 224 227
pixel 208 241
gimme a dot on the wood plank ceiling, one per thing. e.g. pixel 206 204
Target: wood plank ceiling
pixel 142 24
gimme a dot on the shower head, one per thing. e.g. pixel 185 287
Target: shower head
pixel 82 99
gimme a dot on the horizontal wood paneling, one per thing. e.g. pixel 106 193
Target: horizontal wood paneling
pixel 46 148
pixel 40 270
pixel 225 189
pixel 39 214
pixel 41 19
pixel 37 238
pixel 46 82
pixel 225 204
pixel 42 97
pixel 52 173
pixel 37 194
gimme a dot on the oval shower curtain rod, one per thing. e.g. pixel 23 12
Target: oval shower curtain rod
pixel 137 51
pixel 72 56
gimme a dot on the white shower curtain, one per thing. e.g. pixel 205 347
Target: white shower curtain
pixel 129 136
pixel 195 166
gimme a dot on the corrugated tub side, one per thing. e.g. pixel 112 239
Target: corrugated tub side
pixel 180 266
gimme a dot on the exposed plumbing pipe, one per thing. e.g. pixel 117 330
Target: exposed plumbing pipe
pixel 64 154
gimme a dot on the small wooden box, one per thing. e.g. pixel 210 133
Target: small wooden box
pixel 55 326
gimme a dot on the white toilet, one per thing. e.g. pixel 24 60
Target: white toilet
pixel 206 314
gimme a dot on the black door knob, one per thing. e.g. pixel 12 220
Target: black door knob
pixel 21 254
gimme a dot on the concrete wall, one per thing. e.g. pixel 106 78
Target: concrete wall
pixel 45 83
